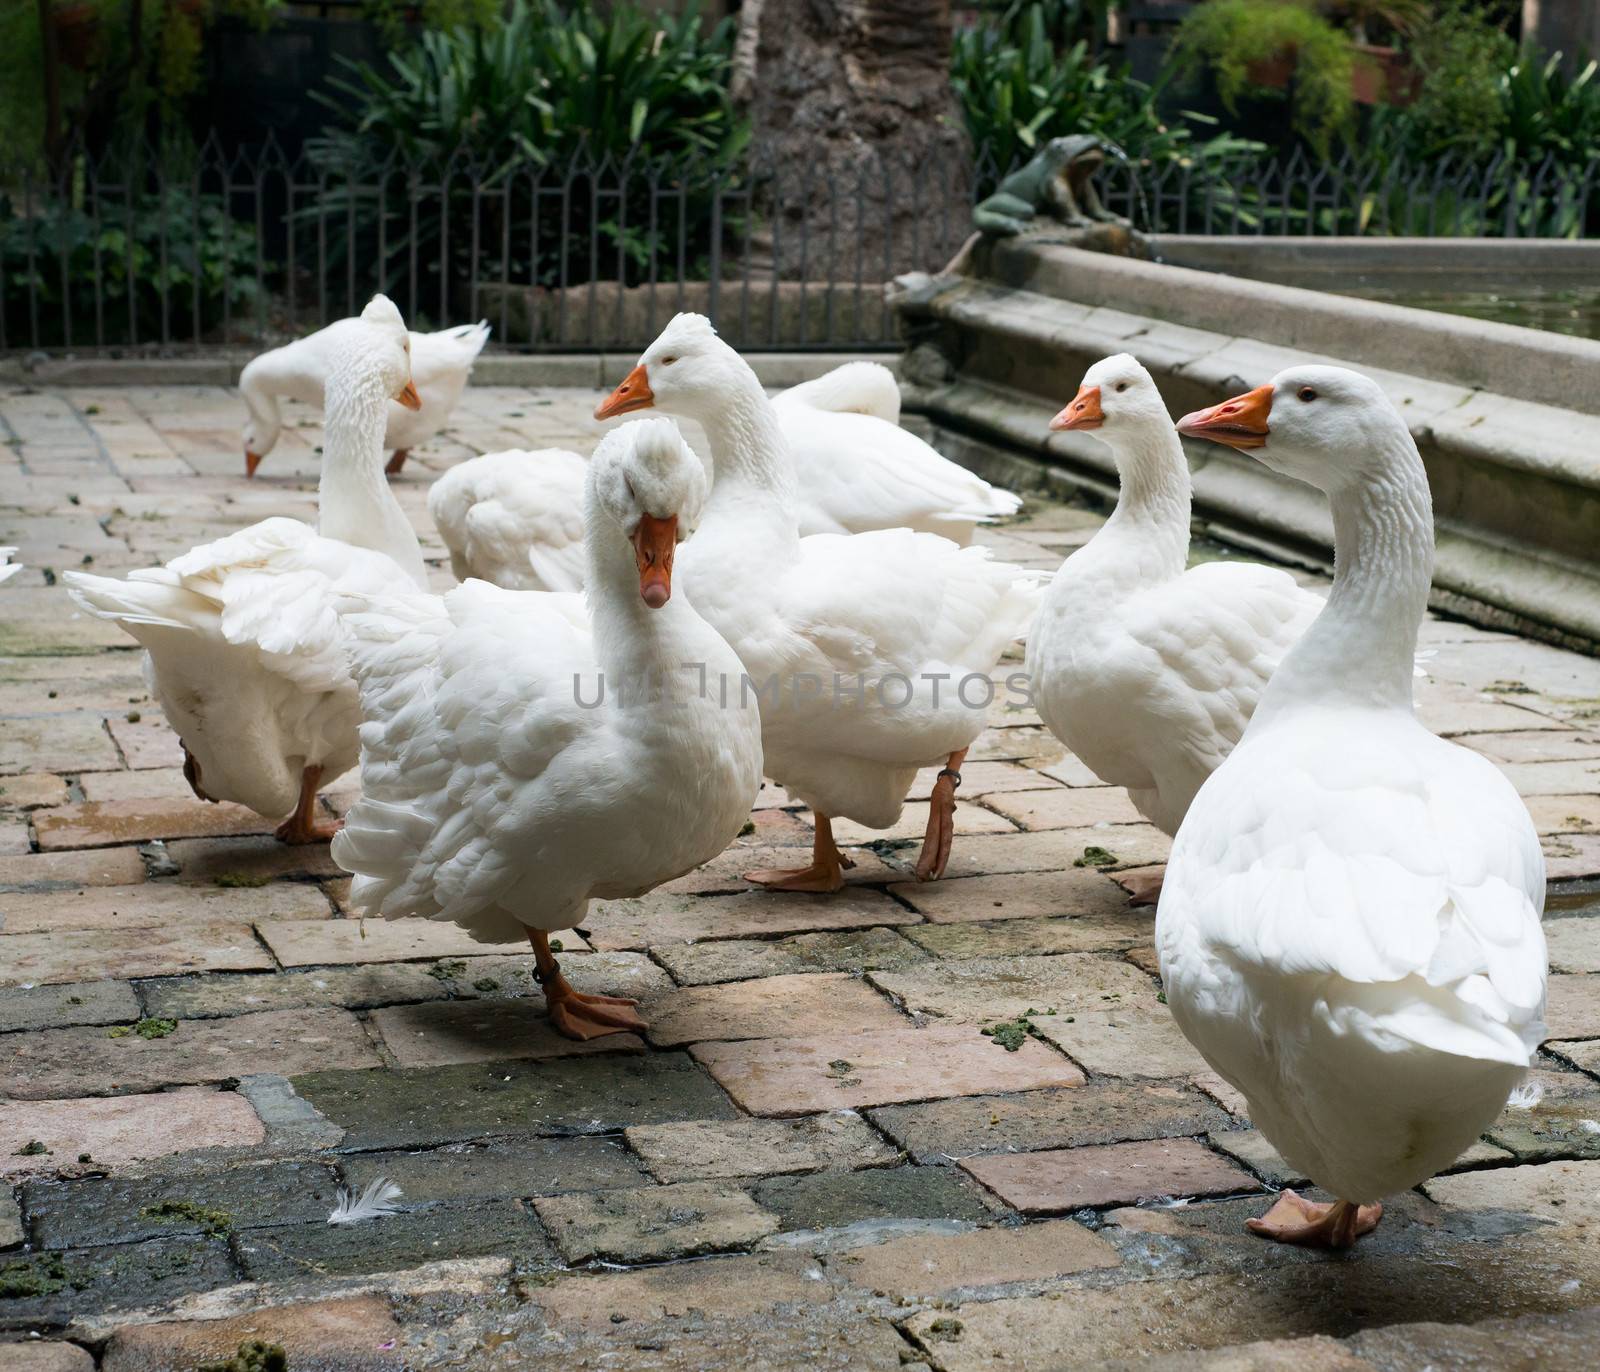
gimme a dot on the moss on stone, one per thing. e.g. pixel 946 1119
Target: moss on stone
pixel 253 1355
pixel 211 1221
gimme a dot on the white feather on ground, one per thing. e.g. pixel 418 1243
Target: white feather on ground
pixel 374 1203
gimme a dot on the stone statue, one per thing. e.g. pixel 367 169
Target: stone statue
pixel 1056 183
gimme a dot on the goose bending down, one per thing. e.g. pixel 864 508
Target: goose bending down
pixel 440 364
pixel 871 653
pixel 521 758
pixel 1147 671
pixel 515 518
pixel 242 645
pixel 1350 931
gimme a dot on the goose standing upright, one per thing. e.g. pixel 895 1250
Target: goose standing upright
pixel 242 645
pixel 440 365
pixel 866 650
pixel 1147 671
pixel 1349 931
pixel 520 758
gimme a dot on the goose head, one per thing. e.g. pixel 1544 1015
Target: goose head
pixel 371 353
pixel 687 371
pixel 645 486
pixel 1117 399
pixel 1327 426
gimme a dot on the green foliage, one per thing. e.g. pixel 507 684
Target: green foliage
pixel 1461 57
pixel 170 241
pixel 1018 91
pixel 1547 114
pixel 588 93
pixel 1230 36
pixel 551 80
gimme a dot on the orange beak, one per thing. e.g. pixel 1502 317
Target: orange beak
pixel 251 462
pixel 654 543
pixel 1083 413
pixel 633 394
pixel 409 397
pixel 1238 423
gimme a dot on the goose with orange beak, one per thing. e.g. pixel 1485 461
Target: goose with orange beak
pixel 1146 668
pixel 871 654
pixel 527 752
pixel 1349 931
pixel 243 649
pixel 440 365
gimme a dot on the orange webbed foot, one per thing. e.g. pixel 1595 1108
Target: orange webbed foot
pixel 1294 1219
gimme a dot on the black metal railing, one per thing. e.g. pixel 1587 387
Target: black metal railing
pixel 245 247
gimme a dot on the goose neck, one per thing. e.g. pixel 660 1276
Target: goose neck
pixel 355 504
pixel 1360 649
pixel 750 460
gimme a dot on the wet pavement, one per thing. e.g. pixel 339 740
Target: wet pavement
pixel 815 1158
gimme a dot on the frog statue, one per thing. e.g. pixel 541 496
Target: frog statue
pixel 1055 184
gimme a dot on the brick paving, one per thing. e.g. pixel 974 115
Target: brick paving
pixel 864 1178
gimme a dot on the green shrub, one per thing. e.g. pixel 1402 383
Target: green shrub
pixel 1229 36
pixel 565 88
pixel 171 242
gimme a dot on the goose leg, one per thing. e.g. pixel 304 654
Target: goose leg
pixel 396 461
pixel 822 877
pixel 1294 1219
pixel 573 1014
pixel 941 820
pixel 304 826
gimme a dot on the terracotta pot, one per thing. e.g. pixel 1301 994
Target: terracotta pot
pixel 1384 76
pixel 1273 72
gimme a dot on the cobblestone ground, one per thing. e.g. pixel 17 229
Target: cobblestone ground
pixel 198 1048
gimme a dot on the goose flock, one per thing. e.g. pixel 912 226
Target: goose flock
pixel 1349 925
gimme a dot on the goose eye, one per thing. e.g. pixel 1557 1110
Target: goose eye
pixel 1122 386
pixel 668 361
pixel 1307 393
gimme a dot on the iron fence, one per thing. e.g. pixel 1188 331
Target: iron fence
pixel 247 247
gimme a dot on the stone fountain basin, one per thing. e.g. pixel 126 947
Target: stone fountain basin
pixel 1507 418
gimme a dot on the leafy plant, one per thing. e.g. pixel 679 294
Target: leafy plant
pixel 1230 37
pixel 169 247
pixel 554 99
pixel 1018 91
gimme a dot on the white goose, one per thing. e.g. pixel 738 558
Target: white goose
pixel 867 649
pixel 440 365
pixel 515 518
pixel 1149 672
pixel 1350 931
pixel 8 568
pixel 243 648
pixel 517 764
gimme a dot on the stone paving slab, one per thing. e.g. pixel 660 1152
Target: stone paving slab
pixel 1082 893
pixel 1118 1174
pixel 836 1079
pixel 122 1129
pixel 847 1202
pixel 432 1035
pixel 298 944
pixel 772 1007
pixel 848 950
pixel 936 1265
pixel 73 954
pixel 681 1220
pixel 65 1062
pixel 1101 1113
pixel 157 904
pixel 664 918
pixel 847 1071
pixel 750 1148
pixel 355 1334
pixel 419 1106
